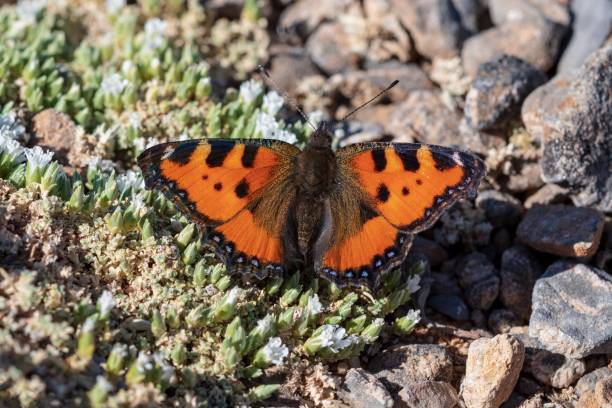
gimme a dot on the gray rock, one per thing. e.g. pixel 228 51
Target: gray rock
pixel 423 116
pixel 547 194
pixel 555 369
pixel 428 394
pixel 498 90
pixel 571 117
pixel 572 310
pixel 362 390
pixel 434 25
pixel 471 12
pixel 452 306
pixel 481 141
pixel 519 11
pixel 479 279
pixel 537 43
pixel 588 381
pixel 359 132
pixel 402 365
pixel 590 28
pixel 329 47
pixel 444 284
pixel 519 272
pixel 361 86
pixel 433 251
pixel 603 392
pixel 501 209
pixel 56 131
pixel 492 370
pixel 502 320
pixel 562 230
pixel 289 65
pixel 301 19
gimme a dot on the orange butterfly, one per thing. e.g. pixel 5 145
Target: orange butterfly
pixel 349 215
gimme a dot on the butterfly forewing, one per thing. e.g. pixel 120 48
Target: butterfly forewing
pixel 221 184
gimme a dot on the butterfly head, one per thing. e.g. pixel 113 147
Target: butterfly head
pixel 321 138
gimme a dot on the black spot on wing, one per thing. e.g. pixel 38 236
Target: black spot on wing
pixel 242 189
pixel 218 152
pixel 182 153
pixel 382 193
pixel 379 158
pixel 405 191
pixel 248 156
pixel 408 158
pixel 218 186
pixel 442 161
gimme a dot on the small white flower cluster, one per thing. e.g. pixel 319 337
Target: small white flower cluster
pixel 88 325
pixel 144 363
pixel 105 303
pixel 313 306
pixel 167 371
pixel 130 179
pixel 103 384
pixel 38 158
pixel 414 315
pixel 134 120
pixel 275 351
pixel 115 6
pixel 335 339
pixel 272 103
pixel 269 128
pixel 28 9
pixel 413 283
pixel 250 90
pixel 11 127
pixel 154 33
pixel 265 325
pixel 113 84
pixel 233 295
pixel 12 148
pixel 120 350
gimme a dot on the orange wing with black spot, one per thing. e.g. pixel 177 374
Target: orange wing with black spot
pixel 401 190
pixel 232 188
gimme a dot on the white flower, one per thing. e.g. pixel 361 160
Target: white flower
pixel 130 179
pixel 113 84
pixel 11 127
pixel 167 371
pixel 103 384
pixel 413 283
pixel 233 295
pixel 155 62
pixel 275 351
pixel 154 33
pixel 120 350
pixel 106 302
pixel 138 204
pixel 285 136
pixel 126 66
pixel 269 128
pixel 89 325
pixel 414 316
pixel 37 157
pixel 334 338
pixel 143 363
pixel 28 9
pixel 378 322
pixel 313 306
pixel 134 120
pixel 12 148
pixel 265 325
pixel 272 102
pixel 250 90
pixel 114 6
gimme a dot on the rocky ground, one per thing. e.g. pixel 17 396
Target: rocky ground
pixel 109 298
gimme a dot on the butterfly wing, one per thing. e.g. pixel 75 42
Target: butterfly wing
pixel 238 190
pixel 401 189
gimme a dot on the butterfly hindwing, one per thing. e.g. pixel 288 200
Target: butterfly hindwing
pixel 226 186
pixel 397 190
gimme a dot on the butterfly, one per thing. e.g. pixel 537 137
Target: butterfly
pixel 266 207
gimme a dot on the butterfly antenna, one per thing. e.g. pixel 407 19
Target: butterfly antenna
pixel 290 101
pixel 387 89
